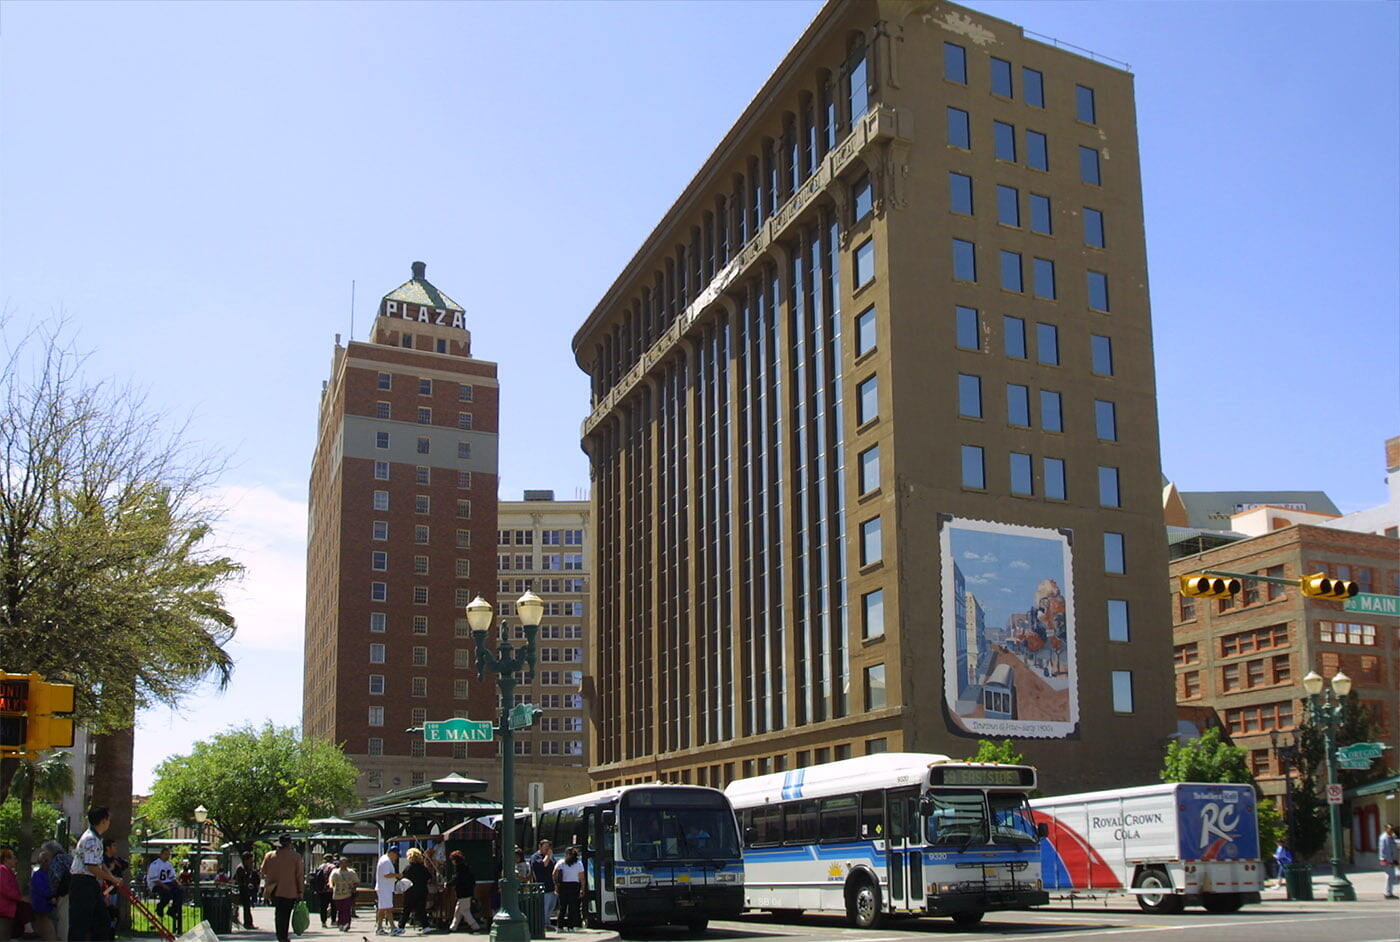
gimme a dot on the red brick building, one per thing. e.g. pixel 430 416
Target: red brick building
pixel 401 536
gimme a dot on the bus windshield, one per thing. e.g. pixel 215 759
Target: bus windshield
pixel 956 818
pixel 679 832
pixel 1011 819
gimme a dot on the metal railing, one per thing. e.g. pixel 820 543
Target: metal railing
pixel 1089 53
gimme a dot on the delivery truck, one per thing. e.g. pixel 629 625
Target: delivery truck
pixel 1169 845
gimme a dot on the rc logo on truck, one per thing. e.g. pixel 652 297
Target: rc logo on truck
pixel 1218 822
pixel 1223 821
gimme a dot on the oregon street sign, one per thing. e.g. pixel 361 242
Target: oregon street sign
pixel 1369 604
pixel 458 730
pixel 1355 765
pixel 1361 750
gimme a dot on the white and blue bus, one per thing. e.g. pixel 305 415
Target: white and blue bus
pixel 653 854
pixel 890 834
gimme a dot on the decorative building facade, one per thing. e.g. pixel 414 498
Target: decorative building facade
pixel 873 419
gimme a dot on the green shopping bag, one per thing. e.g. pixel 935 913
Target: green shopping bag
pixel 301 917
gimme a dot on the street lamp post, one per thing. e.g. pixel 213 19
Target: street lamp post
pixel 1327 712
pixel 201 815
pixel 509 925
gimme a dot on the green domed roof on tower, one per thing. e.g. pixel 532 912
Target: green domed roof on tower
pixel 418 290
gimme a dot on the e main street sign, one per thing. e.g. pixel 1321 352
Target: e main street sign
pixel 458 730
pixel 1366 603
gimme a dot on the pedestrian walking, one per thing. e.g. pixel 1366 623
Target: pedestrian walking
pixel 284 875
pixel 321 885
pixel 1389 855
pixel 464 885
pixel 343 880
pixel 10 898
pixel 542 869
pixel 160 879
pixel 246 878
pixel 87 913
pixel 1282 858
pixel 41 893
pixel 60 879
pixel 386 875
pixel 569 883
pixel 415 898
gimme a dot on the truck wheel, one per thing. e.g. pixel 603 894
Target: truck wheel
pixel 970 917
pixel 1223 902
pixel 1157 902
pixel 863 904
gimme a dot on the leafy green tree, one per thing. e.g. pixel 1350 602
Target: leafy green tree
pixel 1271 829
pixel 1004 752
pixel 252 779
pixel 1207 758
pixel 44 817
pixel 1311 816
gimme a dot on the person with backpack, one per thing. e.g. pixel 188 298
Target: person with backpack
pixel 59 881
pixel 321 885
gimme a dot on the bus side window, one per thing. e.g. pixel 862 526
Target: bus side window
pixel 839 816
pixel 872 816
pixel 568 828
pixel 546 829
pixel 767 825
pixel 800 822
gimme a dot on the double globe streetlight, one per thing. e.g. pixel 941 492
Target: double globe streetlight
pixel 510 924
pixel 1327 714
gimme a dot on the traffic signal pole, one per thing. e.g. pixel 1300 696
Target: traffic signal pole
pixel 1250 575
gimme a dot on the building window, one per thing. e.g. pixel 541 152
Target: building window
pixel 462 597
pixel 964 260
pixel 420 595
pixel 464 479
pixel 1098 290
pixel 1011 271
pixel 1047 344
pixel 463 539
pixel 464 393
pixel 1117 620
pixel 406 341
pixel 461 628
pixel 464 449
pixel 1050 417
pixel 1021 483
pixel 425 387
pixel 378 592
pixel 385 381
pixel 420 624
pixel 1101 355
pixel 381 470
pixel 1122 691
pixel 875 687
pixel 425 445
pixel 1339 632
pixel 421 503
pixel 1013 332
pixel 419 687
pixel 1089 166
pixel 460 689
pixel 1108 488
pixel 381 439
pixel 1004 140
pixel 973 474
pixel 1018 405
pixel 420 565
pixel 1008 205
pixel 871 550
pixel 955 63
pixel 1190 685
pixel 1105 421
pixel 464 509
pixel 381 410
pixel 969 396
pixel 423 474
pixel 380 500
pixel 1044 270
pixel 378 622
pixel 376 716
pixel 862 197
pixel 1084 104
pixel 463 568
pixel 865 331
pixel 1054 469
pixel 867 400
pixel 872 614
pixel 869 469
pixel 969 328
pixel 1188 608
pixel 960 193
pixel 959 129
pixel 376 684
pixel 1040 214
pixel 1113 555
pixel 379 561
pixel 865 262
pixel 1189 653
pixel 420 534
pixel 376 653
pixel 1093 228
pixel 1001 78
pixel 874 747
pixel 379 530
pixel 1033 87
pixel 376 746
pixel 420 656
pixel 425 415
pixel 1037 152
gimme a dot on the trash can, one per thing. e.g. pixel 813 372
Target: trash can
pixel 1297 877
pixel 532 906
pixel 216 903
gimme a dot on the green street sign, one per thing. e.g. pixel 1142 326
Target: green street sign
pixel 1354 764
pixel 1366 603
pixel 1361 750
pixel 458 730
pixel 522 716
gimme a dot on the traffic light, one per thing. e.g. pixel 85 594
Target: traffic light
pixel 1198 586
pixel 29 714
pixel 1319 586
pixel 14 703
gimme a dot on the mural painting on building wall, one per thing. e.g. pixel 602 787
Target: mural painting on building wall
pixel 1008 630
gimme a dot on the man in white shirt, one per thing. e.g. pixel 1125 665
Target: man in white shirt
pixel 160 877
pixel 386 874
pixel 87 913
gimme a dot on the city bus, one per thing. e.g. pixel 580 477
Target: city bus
pixel 654 854
pixel 891 834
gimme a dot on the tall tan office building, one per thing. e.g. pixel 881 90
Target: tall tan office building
pixel 873 429
pixel 543 546
pixel 401 534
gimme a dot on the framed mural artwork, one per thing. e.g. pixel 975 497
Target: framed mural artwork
pixel 1008 630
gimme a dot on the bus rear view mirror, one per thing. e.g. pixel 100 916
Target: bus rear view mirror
pixel 609 819
pixel 1042 830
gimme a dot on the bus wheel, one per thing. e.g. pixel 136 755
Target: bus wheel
pixel 1164 901
pixel 969 917
pixel 698 925
pixel 1223 902
pixel 863 904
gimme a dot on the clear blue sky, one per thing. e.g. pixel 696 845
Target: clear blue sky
pixel 197 184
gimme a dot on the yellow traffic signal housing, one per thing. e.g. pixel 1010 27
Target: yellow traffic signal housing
pixel 1200 586
pixel 1320 586
pixel 46 729
pixel 14 702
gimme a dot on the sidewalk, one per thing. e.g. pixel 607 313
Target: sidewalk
pixel 363 928
pixel 1369 884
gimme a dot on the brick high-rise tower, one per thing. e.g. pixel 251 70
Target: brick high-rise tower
pixel 401 534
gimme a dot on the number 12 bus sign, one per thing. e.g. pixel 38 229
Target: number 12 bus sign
pixel 458 730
